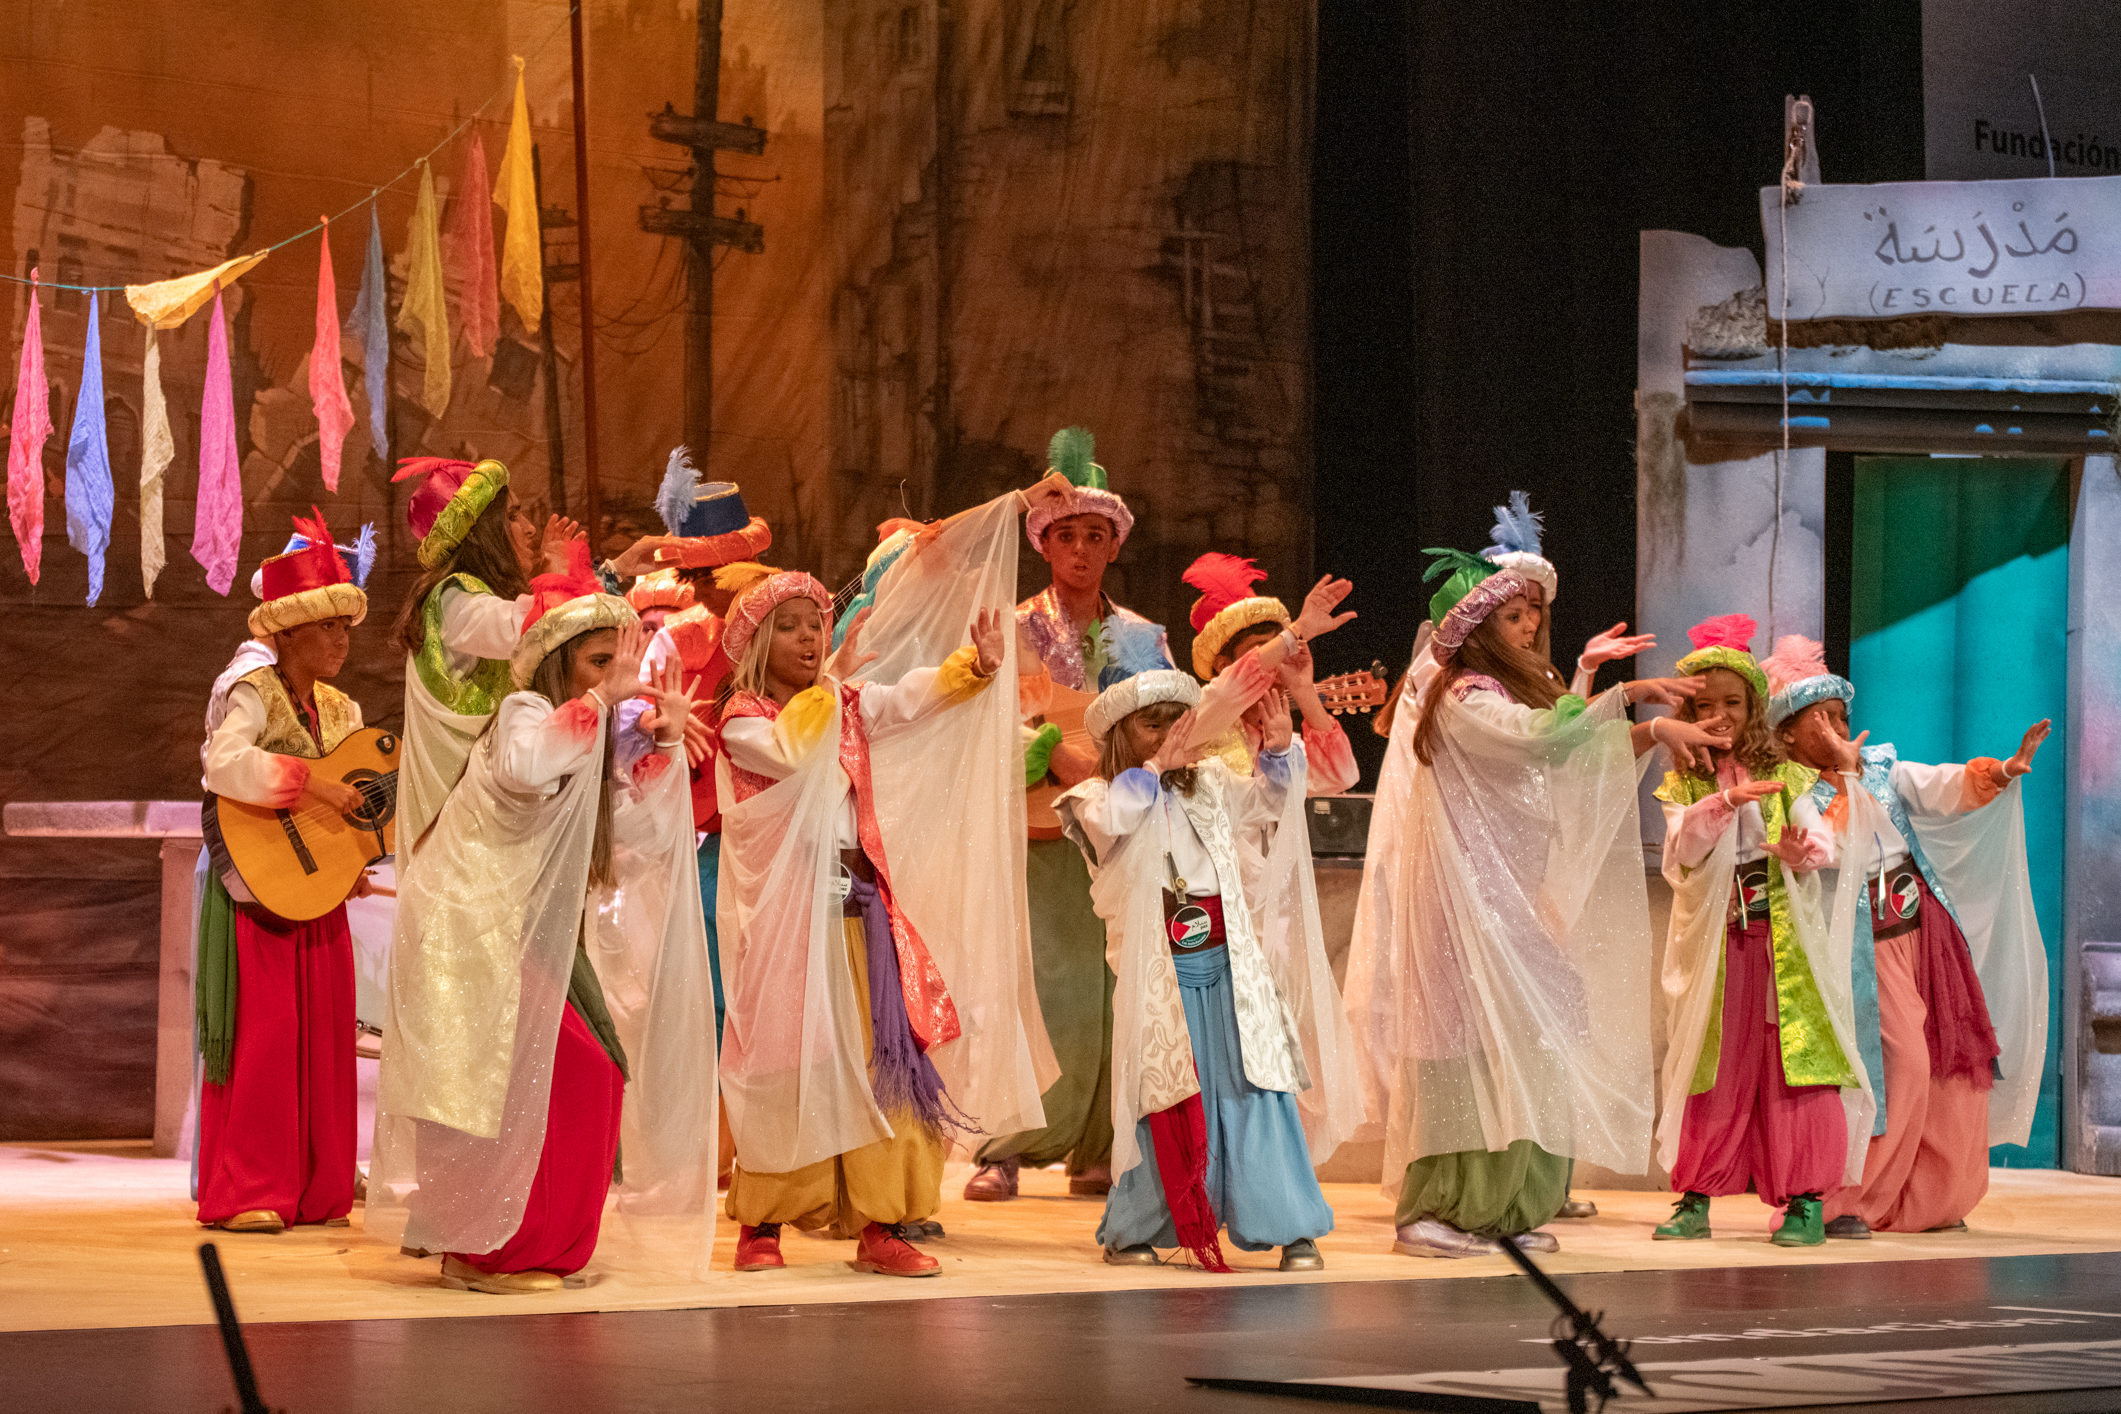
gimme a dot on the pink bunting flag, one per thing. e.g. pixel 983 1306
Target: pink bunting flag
pixel 467 256
pixel 327 376
pixel 25 447
pixel 217 534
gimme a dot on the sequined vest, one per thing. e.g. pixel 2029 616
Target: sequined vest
pixel 286 730
pixel 1811 1053
pixel 475 695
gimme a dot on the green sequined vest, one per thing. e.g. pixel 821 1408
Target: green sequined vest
pixel 475 695
pixel 1811 1055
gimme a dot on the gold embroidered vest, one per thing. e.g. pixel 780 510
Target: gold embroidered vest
pixel 287 730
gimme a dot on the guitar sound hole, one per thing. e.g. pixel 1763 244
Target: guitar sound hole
pixel 379 798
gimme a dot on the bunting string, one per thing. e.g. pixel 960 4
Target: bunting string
pixel 457 267
pixel 512 84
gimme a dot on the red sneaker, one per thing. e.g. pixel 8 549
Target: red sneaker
pixel 887 1253
pixel 758 1249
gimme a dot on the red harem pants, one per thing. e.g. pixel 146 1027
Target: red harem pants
pixel 1753 1130
pixel 280 1134
pixel 565 1206
pixel 1930 1167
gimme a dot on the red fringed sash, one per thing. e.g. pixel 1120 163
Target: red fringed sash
pixel 1181 1138
pixel 1961 1037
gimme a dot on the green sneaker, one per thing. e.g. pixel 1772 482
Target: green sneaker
pixel 1803 1223
pixel 1689 1221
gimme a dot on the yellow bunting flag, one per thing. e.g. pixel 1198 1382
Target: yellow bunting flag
pixel 425 312
pixel 157 450
pixel 515 191
pixel 168 303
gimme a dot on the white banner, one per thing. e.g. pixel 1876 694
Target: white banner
pixel 1957 248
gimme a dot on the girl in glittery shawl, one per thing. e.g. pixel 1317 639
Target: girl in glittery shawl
pixel 877 956
pixel 1501 989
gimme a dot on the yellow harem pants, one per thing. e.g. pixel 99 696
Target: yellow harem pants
pixel 895 1180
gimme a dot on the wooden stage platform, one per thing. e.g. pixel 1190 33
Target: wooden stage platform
pixel 100 1235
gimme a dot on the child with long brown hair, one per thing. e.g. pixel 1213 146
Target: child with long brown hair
pixel 1763 1085
pixel 1503 996
pixel 504 1071
pixel 477 552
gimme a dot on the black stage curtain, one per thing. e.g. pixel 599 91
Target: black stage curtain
pixel 1480 176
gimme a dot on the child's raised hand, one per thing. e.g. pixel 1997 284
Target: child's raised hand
pixel 552 545
pixel 849 659
pixel 623 678
pixel 1693 746
pixel 1180 747
pixel 1296 668
pixel 1750 792
pixel 1613 645
pixel 988 638
pixel 2022 761
pixel 1276 727
pixel 1318 616
pixel 669 705
pixel 1851 753
pixel 638 558
pixel 1663 692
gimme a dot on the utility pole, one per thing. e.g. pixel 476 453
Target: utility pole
pixel 592 515
pixel 701 229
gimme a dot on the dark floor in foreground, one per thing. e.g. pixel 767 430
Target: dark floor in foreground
pixel 1126 1350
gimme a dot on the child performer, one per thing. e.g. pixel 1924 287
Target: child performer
pixel 1208 1054
pixel 1517 536
pixel 1228 621
pixel 1764 1088
pixel 1918 840
pixel 1082 642
pixel 855 901
pixel 1503 987
pixel 276 998
pixel 658 595
pixel 504 1079
pixel 711 551
pixel 462 620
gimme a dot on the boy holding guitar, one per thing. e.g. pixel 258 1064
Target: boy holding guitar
pixel 276 997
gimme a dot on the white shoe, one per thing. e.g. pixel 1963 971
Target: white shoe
pixel 1430 1238
pixel 1537 1241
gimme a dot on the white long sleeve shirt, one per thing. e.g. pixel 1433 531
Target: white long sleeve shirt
pixel 476 626
pixel 238 768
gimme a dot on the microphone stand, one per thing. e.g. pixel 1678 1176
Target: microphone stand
pixel 1594 1359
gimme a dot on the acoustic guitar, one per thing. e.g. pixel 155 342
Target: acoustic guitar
pixel 301 863
pixel 1340 695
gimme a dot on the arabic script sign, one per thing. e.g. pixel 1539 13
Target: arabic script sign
pixel 1959 248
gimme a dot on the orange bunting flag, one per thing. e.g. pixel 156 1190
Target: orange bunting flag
pixel 515 191
pixel 425 313
pixel 467 255
pixel 327 378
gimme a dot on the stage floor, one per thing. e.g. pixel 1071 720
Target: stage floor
pixel 97 1236
pixel 1892 1329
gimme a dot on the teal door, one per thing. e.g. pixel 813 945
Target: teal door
pixel 1959 603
